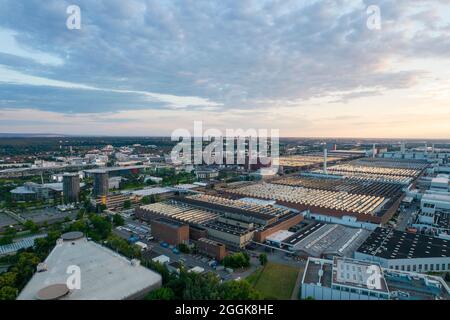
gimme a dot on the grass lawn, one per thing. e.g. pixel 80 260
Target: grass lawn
pixel 274 281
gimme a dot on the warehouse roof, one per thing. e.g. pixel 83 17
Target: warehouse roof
pixel 105 275
pixel 393 244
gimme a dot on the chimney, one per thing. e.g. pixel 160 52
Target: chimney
pixel 373 151
pixel 325 152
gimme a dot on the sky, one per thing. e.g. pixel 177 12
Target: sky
pixel 147 67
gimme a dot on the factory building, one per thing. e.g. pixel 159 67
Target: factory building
pixel 284 223
pixel 405 251
pixel 350 279
pixel 71 187
pixel 231 235
pixel 211 248
pixel 34 191
pixel 233 222
pixel 101 183
pixel 105 275
pixel 116 201
pixel 170 231
pixel 324 240
pixel 206 174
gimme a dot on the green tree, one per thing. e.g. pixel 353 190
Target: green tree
pixel 239 290
pixel 161 294
pixel 263 259
pixel 101 227
pixel 6 240
pixel 127 204
pixel 8 279
pixel 118 220
pixel 31 225
pixel 184 248
pixel 8 293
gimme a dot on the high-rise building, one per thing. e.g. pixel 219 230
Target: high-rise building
pixel 101 185
pixel 71 187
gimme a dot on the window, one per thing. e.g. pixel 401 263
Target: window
pixel 414 268
pixel 437 267
pixel 403 268
pixel 443 267
pixel 408 268
pixel 431 267
pixel 420 267
pixel 396 267
pixel 426 267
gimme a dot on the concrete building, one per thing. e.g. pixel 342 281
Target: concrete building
pixel 170 231
pixel 101 184
pixel 350 279
pixel 405 251
pixel 35 191
pixel 232 235
pixel 211 248
pixel 105 275
pixel 324 240
pixel 206 174
pixel 71 187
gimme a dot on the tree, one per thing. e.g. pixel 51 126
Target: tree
pixel 118 220
pixel 183 248
pixel 127 204
pixel 237 260
pixel 101 227
pixel 447 277
pixel 30 225
pixel 239 290
pixel 263 259
pixel 8 293
pixel 8 279
pixel 6 240
pixel 161 294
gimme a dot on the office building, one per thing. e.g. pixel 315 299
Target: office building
pixel 350 279
pixel 105 275
pixel 71 187
pixel 101 183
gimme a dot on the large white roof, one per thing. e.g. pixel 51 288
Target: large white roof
pixel 105 275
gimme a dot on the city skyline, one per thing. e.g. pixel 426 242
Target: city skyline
pixel 146 68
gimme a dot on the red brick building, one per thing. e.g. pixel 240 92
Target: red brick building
pixel 170 231
pixel 211 248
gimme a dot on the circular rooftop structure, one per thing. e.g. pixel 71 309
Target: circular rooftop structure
pixel 53 292
pixel 74 235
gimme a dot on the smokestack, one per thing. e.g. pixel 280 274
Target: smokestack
pixel 373 151
pixel 402 148
pixel 432 148
pixel 325 153
pixel 426 148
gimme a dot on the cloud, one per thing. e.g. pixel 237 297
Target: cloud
pixel 218 56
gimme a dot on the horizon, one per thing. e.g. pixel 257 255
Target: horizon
pixel 145 68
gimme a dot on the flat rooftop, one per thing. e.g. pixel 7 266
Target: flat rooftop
pixel 105 275
pixel 333 239
pixel 394 244
pixel 279 236
pixel 355 273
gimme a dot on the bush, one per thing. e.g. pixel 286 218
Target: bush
pixel 237 260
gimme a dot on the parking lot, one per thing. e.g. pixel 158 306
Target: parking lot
pixel 6 220
pixel 142 231
pixel 49 215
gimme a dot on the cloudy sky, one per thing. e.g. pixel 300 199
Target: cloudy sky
pixel 147 67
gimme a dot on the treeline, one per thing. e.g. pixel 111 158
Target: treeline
pixel 194 286
pixel 23 265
